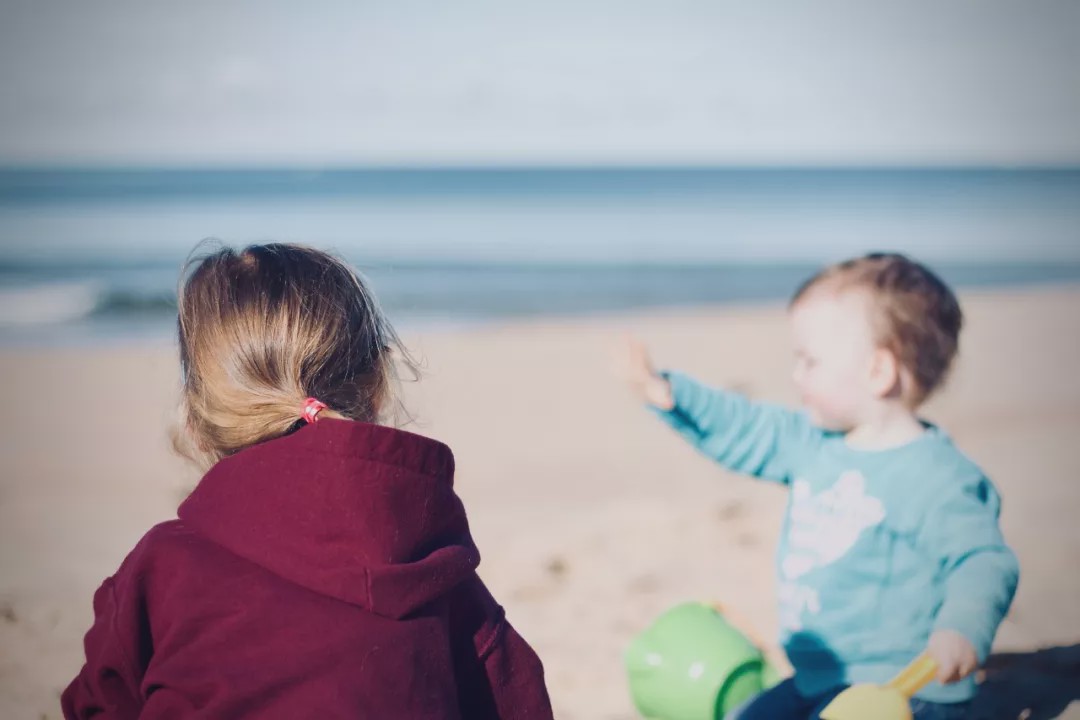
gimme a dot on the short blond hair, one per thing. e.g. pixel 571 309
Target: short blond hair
pixel 914 314
pixel 262 329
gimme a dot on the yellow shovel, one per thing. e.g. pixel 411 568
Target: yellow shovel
pixel 883 702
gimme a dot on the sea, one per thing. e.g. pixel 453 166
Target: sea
pixel 92 255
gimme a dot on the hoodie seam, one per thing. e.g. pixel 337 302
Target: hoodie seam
pixel 495 637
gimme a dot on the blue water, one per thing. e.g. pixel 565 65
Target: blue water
pixel 90 255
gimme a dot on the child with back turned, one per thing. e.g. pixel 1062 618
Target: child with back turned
pixel 891 544
pixel 323 566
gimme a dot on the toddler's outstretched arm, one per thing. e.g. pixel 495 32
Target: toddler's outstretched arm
pixel 758 439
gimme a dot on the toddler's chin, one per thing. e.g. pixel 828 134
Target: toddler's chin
pixel 826 422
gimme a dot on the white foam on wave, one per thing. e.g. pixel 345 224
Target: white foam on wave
pixel 48 303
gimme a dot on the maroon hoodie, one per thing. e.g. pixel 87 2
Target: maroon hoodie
pixel 326 574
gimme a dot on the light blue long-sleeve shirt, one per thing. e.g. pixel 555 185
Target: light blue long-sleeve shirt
pixel 879 548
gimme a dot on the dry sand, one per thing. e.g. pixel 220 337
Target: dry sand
pixel 592 518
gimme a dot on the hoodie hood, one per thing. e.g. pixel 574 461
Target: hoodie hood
pixel 363 513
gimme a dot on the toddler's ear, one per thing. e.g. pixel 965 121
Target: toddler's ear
pixel 885 375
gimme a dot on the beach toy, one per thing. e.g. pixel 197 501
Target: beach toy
pixel 883 702
pixel 693 664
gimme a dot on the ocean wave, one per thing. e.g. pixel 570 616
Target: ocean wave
pixel 57 303
pixel 49 303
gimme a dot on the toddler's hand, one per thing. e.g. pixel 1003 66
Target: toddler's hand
pixel 633 365
pixel 955 656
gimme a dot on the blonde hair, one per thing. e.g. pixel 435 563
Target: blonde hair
pixel 264 328
pixel 913 312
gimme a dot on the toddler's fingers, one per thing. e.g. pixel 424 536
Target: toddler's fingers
pixel 632 355
pixel 946 671
pixel 633 349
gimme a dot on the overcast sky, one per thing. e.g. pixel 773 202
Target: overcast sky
pixel 561 81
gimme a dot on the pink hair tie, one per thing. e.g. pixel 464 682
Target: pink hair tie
pixel 311 409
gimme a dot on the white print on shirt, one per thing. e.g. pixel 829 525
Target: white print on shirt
pixel 822 529
pixel 793 600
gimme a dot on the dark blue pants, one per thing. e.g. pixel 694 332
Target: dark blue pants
pixel 784 702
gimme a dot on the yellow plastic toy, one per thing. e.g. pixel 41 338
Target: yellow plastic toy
pixel 883 702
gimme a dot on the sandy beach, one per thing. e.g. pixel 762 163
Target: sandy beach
pixel 592 518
